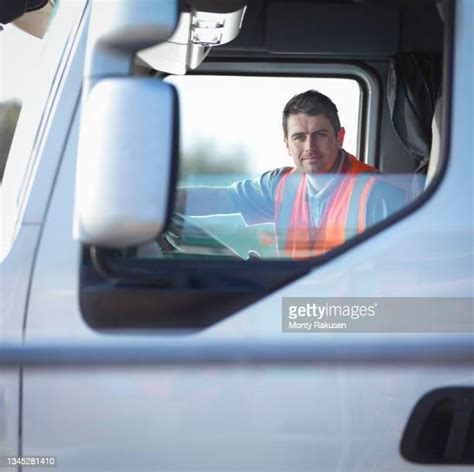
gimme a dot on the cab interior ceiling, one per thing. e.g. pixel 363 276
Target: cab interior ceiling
pixel 332 29
pixel 365 32
pixel 361 30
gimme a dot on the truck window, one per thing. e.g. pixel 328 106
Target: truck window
pixel 231 131
pixel 291 153
pixel 255 191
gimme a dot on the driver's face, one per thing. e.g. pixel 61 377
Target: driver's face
pixel 312 142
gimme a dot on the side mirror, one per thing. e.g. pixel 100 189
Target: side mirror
pixel 127 162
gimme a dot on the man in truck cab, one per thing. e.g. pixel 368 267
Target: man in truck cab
pixel 327 198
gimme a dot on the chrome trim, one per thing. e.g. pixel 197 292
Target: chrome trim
pixel 366 349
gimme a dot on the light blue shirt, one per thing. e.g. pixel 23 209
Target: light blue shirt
pixel 255 198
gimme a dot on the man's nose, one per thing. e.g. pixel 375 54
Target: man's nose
pixel 311 143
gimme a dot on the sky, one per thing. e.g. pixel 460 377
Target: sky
pixel 244 113
pixel 19 54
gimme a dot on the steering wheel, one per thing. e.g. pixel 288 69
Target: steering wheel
pixel 186 237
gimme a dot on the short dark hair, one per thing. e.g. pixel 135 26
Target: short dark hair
pixel 311 103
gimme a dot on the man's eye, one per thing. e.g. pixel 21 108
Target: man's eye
pixel 299 138
pixel 321 135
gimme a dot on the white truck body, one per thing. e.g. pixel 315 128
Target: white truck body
pixel 331 414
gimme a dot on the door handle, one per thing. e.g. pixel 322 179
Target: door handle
pixel 440 429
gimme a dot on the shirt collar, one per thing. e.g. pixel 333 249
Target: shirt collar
pixel 332 178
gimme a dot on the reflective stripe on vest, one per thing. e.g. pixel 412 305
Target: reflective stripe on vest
pixel 343 217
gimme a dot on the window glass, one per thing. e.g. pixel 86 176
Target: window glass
pixel 233 125
pixel 232 135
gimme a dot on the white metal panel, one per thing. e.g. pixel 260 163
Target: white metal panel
pixel 322 418
pixel 10 411
pixel 15 274
pixel 55 281
pixel 336 418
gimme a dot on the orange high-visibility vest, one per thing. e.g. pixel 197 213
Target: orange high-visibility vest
pixel 343 216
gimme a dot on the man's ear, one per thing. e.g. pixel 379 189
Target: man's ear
pixel 340 136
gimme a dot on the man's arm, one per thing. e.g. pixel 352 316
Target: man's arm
pixel 252 198
pixel 205 201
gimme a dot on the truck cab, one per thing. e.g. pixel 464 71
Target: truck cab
pixel 135 334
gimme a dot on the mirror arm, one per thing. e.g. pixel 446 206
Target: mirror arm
pixel 99 262
pixel 120 28
pixel 98 257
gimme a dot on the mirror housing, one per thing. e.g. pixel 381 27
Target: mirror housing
pixel 127 162
pixel 203 24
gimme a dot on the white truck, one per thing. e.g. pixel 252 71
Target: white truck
pixel 136 338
